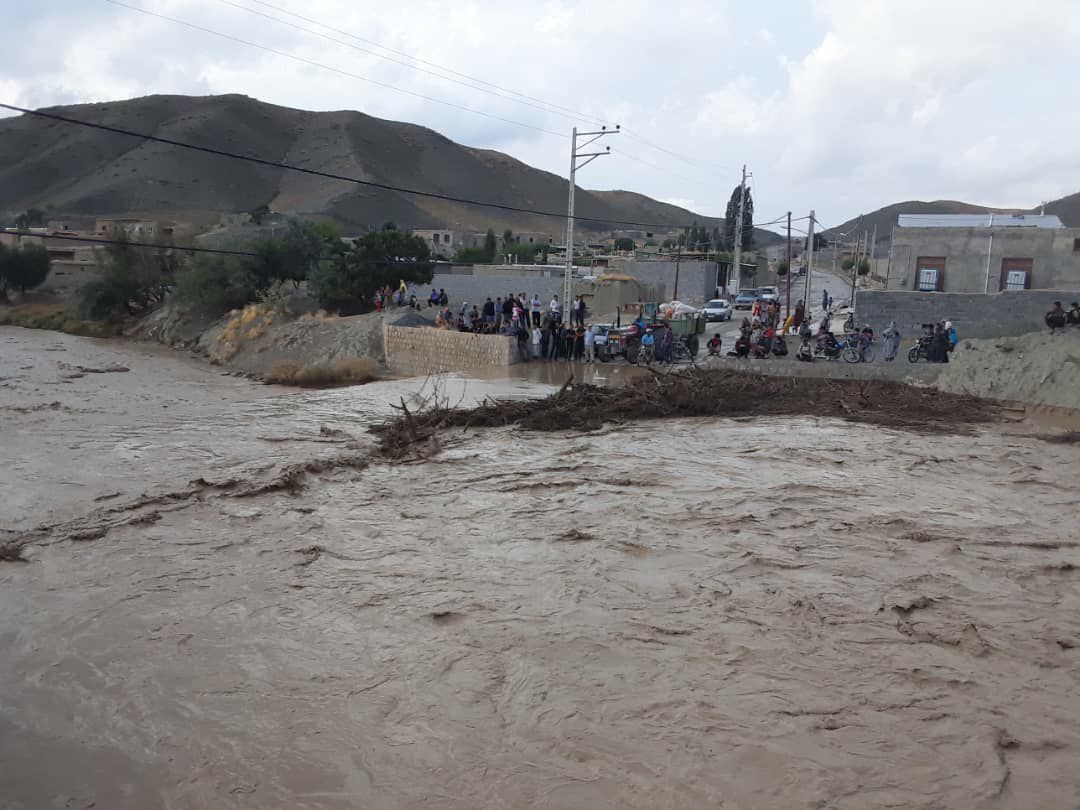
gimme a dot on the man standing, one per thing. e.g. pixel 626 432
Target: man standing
pixel 590 345
pixel 800 314
pixel 553 308
pixel 581 311
pixel 825 299
pixel 536 309
pixel 489 311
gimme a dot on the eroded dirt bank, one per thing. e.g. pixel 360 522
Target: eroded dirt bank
pixel 759 613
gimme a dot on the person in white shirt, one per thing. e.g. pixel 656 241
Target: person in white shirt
pixel 536 310
pixel 590 345
pixel 553 307
pixel 536 335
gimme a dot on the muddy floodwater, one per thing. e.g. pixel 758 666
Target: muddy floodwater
pixel 759 613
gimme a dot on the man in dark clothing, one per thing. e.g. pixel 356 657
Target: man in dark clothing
pixel 581 312
pixel 1056 318
pixel 556 341
pixel 489 311
pixel 568 344
pixel 507 309
pixel 545 341
pixel 522 336
pixel 444 299
pixel 939 345
pixel 1072 317
pixel 800 314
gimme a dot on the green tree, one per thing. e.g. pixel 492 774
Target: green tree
pixel 491 246
pixel 782 269
pixel 32 218
pixel 847 264
pixel 295 255
pixel 864 266
pixel 22 268
pixel 731 216
pixel 347 283
pixel 133 280
pixel 216 284
pixel 508 241
pixel 625 243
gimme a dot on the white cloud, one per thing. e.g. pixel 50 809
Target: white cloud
pixel 841 105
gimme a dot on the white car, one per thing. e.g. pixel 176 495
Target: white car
pixel 768 293
pixel 717 310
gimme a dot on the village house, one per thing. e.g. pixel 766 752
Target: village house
pixel 983 253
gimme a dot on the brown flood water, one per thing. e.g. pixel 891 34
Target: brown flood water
pixel 780 613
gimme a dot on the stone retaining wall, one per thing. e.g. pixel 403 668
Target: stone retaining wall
pixel 426 350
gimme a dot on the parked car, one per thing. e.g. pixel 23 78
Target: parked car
pixel 607 341
pixel 717 310
pixel 746 298
pixel 768 293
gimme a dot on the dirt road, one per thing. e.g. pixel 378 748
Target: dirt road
pixel 768 613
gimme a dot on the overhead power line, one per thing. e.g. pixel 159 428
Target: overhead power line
pixel 527 100
pixel 333 69
pixel 471 83
pixel 440 71
pixel 542 106
pixel 160 246
pixel 187 249
pixel 330 175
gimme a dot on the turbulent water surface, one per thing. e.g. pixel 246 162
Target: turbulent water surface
pixel 778 613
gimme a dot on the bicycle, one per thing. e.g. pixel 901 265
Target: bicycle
pixel 859 350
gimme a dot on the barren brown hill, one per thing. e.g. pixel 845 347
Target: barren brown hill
pixel 74 170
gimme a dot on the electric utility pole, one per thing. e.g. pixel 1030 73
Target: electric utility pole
pixel 855 269
pixel 809 264
pixel 575 156
pixel 788 273
pixel 739 228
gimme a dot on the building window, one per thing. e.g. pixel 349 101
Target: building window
pixel 930 274
pixel 1015 274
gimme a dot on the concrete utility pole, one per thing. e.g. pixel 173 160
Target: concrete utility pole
pixel 575 156
pixel 788 274
pixel 739 227
pixel 809 262
pixel 855 269
pixel 873 249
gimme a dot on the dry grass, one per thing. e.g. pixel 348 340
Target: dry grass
pixel 57 318
pixel 347 371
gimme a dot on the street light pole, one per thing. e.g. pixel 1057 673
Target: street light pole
pixel 575 156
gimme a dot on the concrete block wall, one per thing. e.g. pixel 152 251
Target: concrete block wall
pixel 478 288
pixel 426 350
pixel 975 315
pixel 697 280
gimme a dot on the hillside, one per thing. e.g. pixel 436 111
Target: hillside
pixel 74 170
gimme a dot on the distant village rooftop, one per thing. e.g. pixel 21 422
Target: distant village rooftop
pixel 979 221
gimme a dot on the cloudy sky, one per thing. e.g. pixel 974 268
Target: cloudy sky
pixel 838 105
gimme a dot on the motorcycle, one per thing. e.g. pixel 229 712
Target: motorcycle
pixel 921 350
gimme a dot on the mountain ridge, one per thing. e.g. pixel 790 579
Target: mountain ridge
pixel 75 171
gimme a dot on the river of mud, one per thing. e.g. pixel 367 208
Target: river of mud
pixel 754 613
